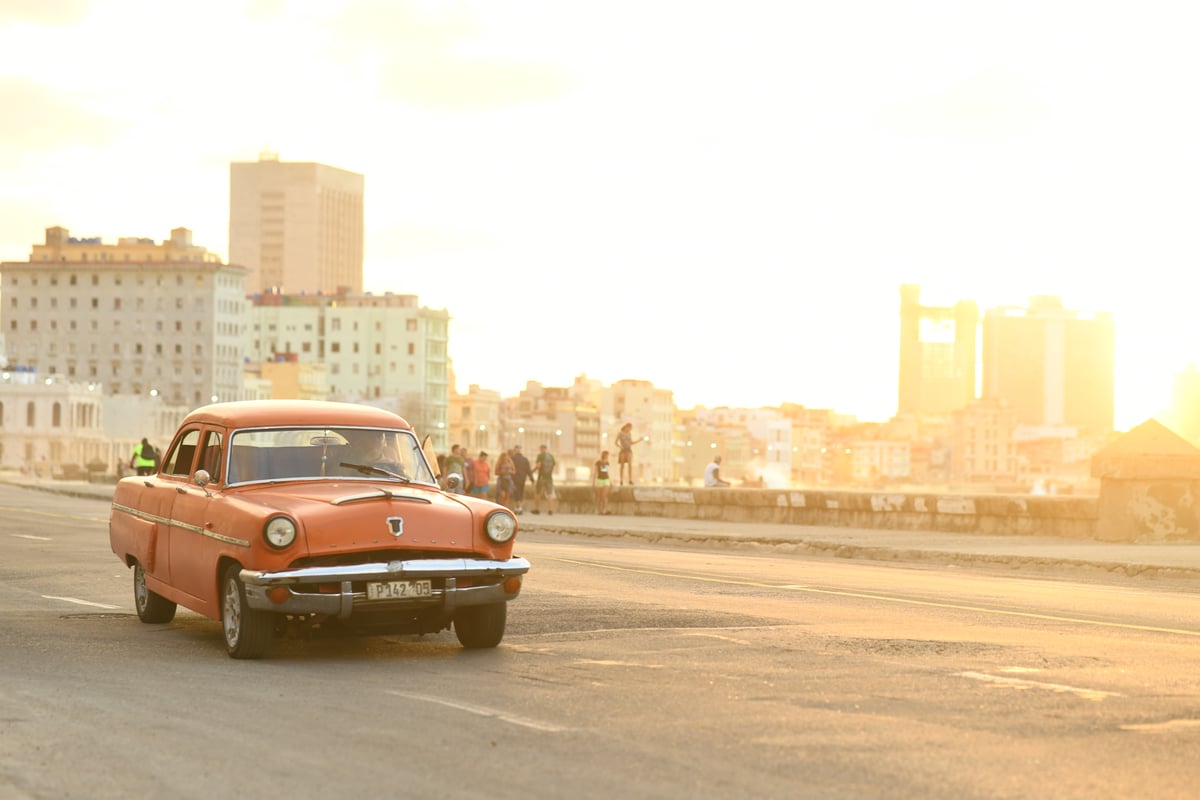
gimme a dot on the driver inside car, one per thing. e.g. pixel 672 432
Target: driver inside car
pixel 370 449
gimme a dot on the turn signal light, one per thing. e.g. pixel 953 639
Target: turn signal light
pixel 278 594
pixel 512 585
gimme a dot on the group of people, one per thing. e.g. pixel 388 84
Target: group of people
pixel 513 470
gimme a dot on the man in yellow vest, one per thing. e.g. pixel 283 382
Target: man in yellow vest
pixel 144 459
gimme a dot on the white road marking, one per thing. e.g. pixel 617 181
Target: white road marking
pixel 34 538
pixel 609 663
pixel 1021 683
pixel 1163 727
pixel 718 636
pixel 483 711
pixel 77 600
pixel 1019 669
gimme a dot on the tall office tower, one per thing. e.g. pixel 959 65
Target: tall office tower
pixel 138 317
pixel 1183 416
pixel 937 355
pixel 298 227
pixel 1054 366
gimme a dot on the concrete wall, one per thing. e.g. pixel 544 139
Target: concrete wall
pixel 1152 510
pixel 1059 516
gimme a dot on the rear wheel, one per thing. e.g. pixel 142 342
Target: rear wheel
pixel 151 607
pixel 247 631
pixel 480 626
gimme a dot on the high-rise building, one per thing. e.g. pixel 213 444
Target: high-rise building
pixel 1055 367
pixel 138 317
pixel 297 227
pixel 937 355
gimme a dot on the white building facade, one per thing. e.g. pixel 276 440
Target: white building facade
pixel 134 318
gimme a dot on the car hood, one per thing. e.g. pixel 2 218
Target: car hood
pixel 341 516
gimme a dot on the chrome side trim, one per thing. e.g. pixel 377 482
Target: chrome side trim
pixel 148 517
pixel 379 494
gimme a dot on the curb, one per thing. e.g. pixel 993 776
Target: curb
pixel 876 553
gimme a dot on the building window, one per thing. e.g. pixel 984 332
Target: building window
pixel 30 414
pixel 56 416
pixel 412 349
pixel 410 324
pixel 335 347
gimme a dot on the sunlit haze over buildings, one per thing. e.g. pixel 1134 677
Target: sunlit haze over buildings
pixel 720 198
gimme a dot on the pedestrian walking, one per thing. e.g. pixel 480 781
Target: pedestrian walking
pixel 544 487
pixel 524 473
pixel 602 483
pixel 144 459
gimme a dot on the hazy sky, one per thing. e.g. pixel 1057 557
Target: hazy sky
pixel 719 197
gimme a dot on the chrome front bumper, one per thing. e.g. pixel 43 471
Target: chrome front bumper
pixel 342 603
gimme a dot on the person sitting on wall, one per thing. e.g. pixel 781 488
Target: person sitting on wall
pixel 712 474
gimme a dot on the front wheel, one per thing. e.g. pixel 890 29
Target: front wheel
pixel 247 631
pixel 478 627
pixel 152 607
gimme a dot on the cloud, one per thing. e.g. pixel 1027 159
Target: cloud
pixel 44 12
pixel 437 57
pixel 406 240
pixel 41 119
pixel 984 107
pixel 448 85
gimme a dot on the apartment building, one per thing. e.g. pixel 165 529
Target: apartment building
pixel 983 445
pixel 564 418
pixel 136 317
pixel 1054 366
pixel 296 226
pixel 651 411
pixel 381 349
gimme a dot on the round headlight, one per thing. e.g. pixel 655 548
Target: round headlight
pixel 279 532
pixel 501 526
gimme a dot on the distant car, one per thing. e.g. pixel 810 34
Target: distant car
pixel 276 515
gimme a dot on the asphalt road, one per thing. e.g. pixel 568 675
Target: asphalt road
pixel 633 670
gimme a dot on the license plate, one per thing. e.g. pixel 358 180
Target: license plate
pixel 399 590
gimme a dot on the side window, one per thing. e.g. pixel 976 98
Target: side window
pixel 179 460
pixel 210 455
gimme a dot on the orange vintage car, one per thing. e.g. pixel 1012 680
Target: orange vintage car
pixel 282 515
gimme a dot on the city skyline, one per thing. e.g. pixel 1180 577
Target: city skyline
pixel 724 210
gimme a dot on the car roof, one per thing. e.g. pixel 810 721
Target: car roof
pixel 263 413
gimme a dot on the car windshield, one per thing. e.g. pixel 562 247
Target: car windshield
pixel 274 454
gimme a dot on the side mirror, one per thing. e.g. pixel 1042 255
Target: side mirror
pixel 454 482
pixel 431 455
pixel 201 478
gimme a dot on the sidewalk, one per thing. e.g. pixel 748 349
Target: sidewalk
pixel 1161 560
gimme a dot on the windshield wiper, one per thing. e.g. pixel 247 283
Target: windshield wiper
pixel 367 469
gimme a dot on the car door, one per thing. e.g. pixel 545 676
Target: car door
pixel 193 552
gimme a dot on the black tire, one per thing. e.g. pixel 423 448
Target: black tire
pixel 478 627
pixel 247 631
pixel 152 608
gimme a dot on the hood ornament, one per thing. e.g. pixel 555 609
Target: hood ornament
pixel 396 525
